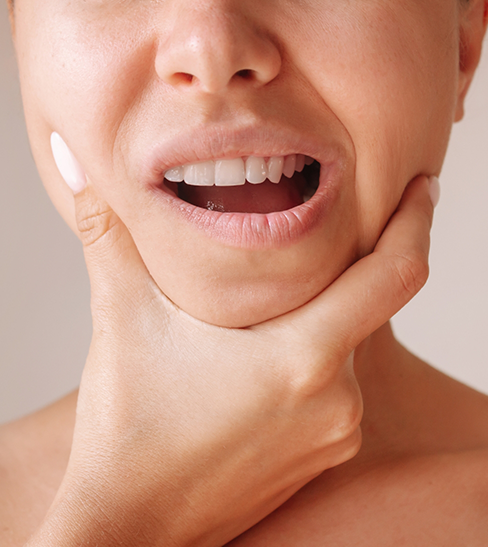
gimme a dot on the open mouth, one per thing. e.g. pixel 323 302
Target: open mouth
pixel 246 185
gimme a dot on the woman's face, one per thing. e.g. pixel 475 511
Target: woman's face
pixel 369 88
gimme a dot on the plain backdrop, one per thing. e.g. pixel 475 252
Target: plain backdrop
pixel 44 295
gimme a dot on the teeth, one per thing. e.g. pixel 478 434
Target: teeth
pixel 289 166
pixel 256 170
pixel 235 172
pixel 275 168
pixel 230 172
pixel 300 163
pixel 177 174
pixel 200 174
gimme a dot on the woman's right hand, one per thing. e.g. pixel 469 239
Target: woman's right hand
pixel 188 433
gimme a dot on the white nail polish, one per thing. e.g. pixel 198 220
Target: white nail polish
pixel 67 164
pixel 434 190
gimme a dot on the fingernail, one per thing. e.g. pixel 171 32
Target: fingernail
pixel 434 190
pixel 67 164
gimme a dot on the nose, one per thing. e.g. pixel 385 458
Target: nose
pixel 213 44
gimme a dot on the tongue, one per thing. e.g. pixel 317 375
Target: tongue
pixel 266 197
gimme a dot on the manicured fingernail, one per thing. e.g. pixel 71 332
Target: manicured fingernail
pixel 67 164
pixel 434 190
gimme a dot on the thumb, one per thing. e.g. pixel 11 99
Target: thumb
pixel 373 289
pixel 116 270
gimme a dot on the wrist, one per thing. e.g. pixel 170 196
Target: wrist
pixel 114 516
pixel 93 518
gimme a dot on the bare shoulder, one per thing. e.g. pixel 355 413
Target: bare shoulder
pixel 33 456
pixel 437 500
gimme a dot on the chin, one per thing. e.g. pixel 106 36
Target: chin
pixel 243 290
pixel 240 287
pixel 243 307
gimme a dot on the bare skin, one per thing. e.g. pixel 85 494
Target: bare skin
pixel 424 435
pixel 420 476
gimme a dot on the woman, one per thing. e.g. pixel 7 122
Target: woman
pixel 189 430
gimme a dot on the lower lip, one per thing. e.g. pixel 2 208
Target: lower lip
pixel 254 231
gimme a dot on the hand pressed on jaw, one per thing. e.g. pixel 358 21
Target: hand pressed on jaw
pixel 188 433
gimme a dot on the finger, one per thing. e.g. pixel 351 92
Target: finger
pixel 116 270
pixel 110 252
pixel 373 289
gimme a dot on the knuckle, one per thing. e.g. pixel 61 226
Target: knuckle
pixel 332 455
pixel 336 403
pixel 349 447
pixel 94 222
pixel 310 374
pixel 349 416
pixel 342 437
pixel 314 371
pixel 412 271
pixel 318 368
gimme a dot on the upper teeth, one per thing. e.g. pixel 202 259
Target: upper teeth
pixel 235 172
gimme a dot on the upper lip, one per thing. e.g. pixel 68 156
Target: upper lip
pixel 219 142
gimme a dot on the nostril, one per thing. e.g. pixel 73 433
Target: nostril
pixel 245 74
pixel 181 78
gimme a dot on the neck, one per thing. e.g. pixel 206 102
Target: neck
pixel 386 373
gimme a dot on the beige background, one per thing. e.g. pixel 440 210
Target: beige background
pixel 44 313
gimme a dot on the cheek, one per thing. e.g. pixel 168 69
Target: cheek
pixel 388 70
pixel 72 65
